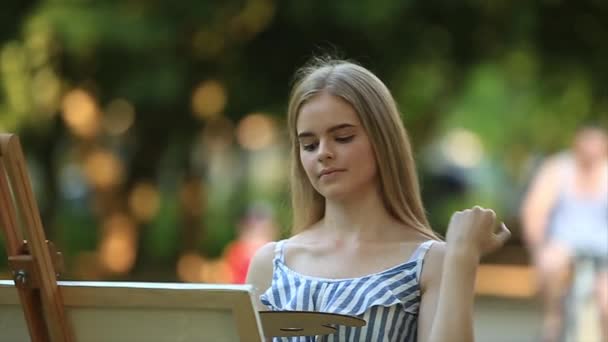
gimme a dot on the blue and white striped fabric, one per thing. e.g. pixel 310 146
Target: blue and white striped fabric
pixel 388 301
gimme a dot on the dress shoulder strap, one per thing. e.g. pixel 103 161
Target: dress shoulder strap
pixel 279 254
pixel 421 250
pixel 419 254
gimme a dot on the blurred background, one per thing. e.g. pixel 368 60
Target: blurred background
pixel 154 130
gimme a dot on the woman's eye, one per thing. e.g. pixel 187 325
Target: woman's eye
pixel 345 139
pixel 309 147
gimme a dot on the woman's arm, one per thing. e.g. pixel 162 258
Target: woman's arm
pixel 430 281
pixel 260 273
pixel 446 309
pixel 448 277
pixel 538 201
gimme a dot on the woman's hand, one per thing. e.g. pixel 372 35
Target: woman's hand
pixel 472 232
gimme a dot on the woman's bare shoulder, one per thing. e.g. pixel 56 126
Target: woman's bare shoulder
pixel 433 265
pixel 261 268
pixel 264 255
pixel 260 272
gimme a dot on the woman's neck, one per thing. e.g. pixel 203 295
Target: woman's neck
pixel 589 178
pixel 357 218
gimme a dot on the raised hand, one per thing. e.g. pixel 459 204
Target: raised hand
pixel 473 231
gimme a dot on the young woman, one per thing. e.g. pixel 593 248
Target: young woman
pixel 363 245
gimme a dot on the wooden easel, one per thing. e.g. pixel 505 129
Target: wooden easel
pixel 34 264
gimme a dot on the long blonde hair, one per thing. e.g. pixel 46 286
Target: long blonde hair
pixel 380 118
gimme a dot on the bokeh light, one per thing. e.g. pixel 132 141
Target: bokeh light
pixel 209 99
pixel 256 131
pixel 188 267
pixel 118 117
pixel 72 182
pixel 103 169
pixel 144 201
pixel 117 250
pixel 80 113
pixel 463 148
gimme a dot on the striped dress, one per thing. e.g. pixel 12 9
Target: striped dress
pixel 388 301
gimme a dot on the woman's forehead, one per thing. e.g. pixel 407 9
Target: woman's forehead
pixel 591 135
pixel 325 111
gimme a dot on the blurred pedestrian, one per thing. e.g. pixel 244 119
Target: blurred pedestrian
pixel 565 218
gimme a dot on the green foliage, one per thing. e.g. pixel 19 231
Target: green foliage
pixel 161 237
pixel 76 230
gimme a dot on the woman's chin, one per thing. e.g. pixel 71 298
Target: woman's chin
pixel 332 193
pixel 338 192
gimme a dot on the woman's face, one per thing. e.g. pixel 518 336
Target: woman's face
pixel 591 144
pixel 335 150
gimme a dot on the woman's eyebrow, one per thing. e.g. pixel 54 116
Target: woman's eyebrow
pixel 331 129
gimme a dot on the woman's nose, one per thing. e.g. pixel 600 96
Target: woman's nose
pixel 325 152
